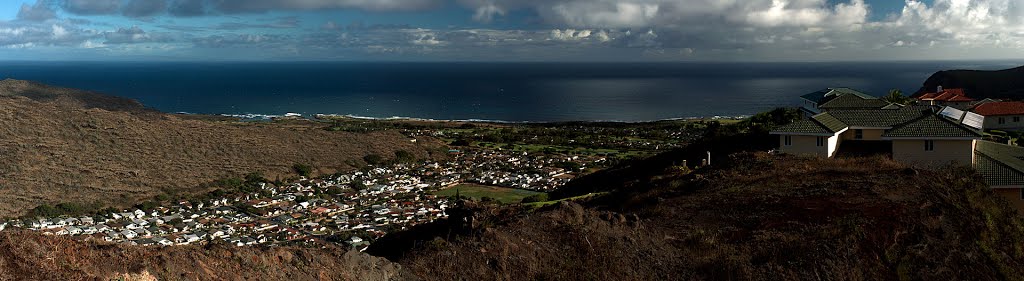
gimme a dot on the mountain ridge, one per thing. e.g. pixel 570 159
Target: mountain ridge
pixel 979 84
pixel 65 145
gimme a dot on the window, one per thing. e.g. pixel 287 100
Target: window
pixel 1016 119
pixel 929 145
pixel 858 134
pixel 1002 120
pixel 821 141
pixel 789 140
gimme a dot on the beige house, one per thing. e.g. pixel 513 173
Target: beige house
pixel 819 135
pixel 1006 115
pixel 933 141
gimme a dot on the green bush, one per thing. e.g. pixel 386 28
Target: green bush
pixel 303 170
pixel 373 159
pixel 536 198
pixel 404 156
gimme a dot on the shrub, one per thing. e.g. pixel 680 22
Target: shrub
pixel 536 198
pixel 373 159
pixel 404 156
pixel 303 170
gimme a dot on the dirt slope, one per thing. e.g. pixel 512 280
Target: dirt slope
pixel 64 145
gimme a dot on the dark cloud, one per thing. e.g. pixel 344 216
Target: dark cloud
pixel 41 11
pixel 187 8
pixel 257 6
pixel 283 22
pixel 144 8
pixel 92 7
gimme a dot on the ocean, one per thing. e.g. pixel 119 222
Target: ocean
pixel 481 91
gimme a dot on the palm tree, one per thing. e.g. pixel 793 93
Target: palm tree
pixel 896 96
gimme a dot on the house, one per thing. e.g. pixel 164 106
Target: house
pixel 933 140
pixel 918 135
pixel 1002 166
pixel 956 98
pixel 1005 115
pixel 814 136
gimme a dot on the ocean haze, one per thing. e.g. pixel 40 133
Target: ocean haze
pixel 486 91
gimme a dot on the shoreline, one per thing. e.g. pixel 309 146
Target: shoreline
pixel 256 117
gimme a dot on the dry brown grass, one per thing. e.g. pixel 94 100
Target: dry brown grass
pixel 30 256
pixel 61 149
pixel 760 217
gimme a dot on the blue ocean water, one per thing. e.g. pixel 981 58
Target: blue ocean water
pixel 488 91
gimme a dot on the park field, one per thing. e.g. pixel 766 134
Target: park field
pixel 501 194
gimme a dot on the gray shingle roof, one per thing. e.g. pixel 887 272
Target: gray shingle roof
pixel 931 126
pixel 823 123
pixel 880 118
pixel 1000 164
pixel 853 101
pixel 825 95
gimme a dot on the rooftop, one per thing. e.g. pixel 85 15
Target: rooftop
pixel 822 96
pixel 1000 108
pixel 931 126
pixel 953 95
pixel 823 123
pixel 1000 164
pixel 879 118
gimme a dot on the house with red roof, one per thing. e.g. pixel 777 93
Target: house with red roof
pixel 1004 115
pixel 947 97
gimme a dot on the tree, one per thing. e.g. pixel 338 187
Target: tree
pixel 536 198
pixel 896 96
pixel 404 156
pixel 373 159
pixel 303 169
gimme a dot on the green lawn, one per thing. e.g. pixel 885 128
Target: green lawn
pixel 476 191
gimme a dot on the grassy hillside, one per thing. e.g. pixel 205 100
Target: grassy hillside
pixel 752 216
pixel 63 145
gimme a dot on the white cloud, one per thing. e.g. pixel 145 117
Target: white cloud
pixel 59 32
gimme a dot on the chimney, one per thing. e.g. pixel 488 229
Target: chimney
pixel 939 90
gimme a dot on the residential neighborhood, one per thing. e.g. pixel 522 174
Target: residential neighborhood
pixel 935 130
pixel 351 208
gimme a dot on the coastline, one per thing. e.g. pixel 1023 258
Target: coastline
pixel 328 117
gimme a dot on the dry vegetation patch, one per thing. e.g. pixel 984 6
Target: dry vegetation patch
pixel 756 217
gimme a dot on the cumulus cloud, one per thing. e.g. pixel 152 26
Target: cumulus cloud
pixel 19 34
pixel 134 35
pixel 243 41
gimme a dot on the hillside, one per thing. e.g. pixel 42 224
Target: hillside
pixel 754 216
pixel 30 256
pixel 64 145
pixel 1001 84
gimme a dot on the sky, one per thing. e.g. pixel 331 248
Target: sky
pixel 511 30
